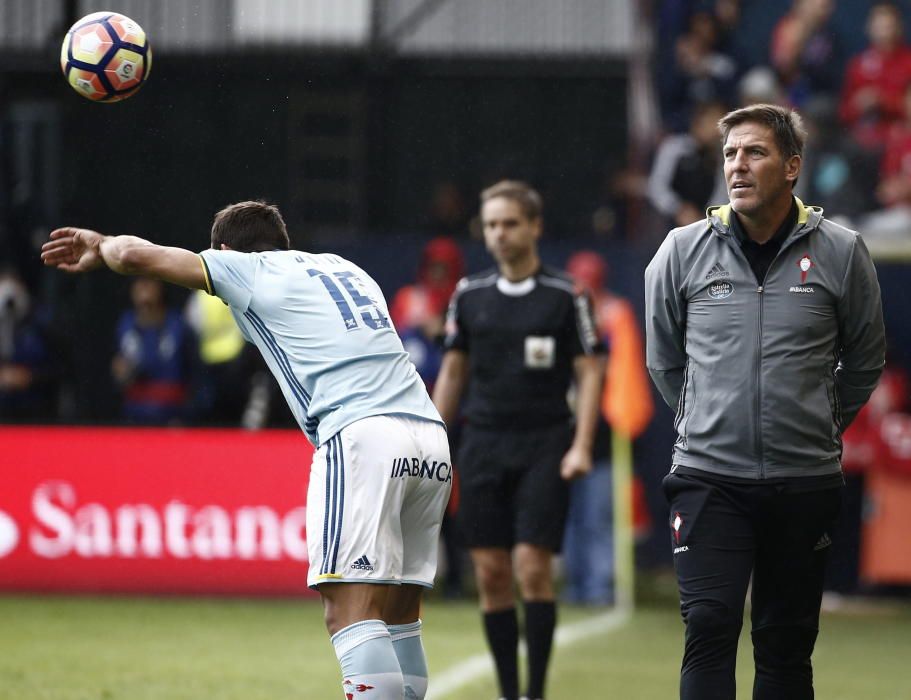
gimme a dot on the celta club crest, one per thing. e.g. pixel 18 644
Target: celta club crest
pixel 804 264
pixel 677 523
pixel 351 688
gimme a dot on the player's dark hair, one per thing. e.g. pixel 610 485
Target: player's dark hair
pixel 785 123
pixel 524 195
pixel 250 227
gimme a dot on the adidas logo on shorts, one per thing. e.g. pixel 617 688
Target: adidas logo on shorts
pixel 363 564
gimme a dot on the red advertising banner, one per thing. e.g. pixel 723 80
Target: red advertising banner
pixel 153 510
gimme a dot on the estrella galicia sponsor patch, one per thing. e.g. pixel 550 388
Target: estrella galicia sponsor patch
pixel 721 290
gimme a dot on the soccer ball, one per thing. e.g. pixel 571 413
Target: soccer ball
pixel 106 57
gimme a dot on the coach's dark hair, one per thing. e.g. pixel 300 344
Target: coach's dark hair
pixel 785 123
pixel 523 194
pixel 250 227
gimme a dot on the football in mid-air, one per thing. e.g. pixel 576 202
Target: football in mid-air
pixel 106 57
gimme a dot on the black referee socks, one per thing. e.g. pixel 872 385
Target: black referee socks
pixel 502 629
pixel 540 621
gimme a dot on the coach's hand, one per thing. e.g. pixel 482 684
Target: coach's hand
pixel 577 462
pixel 73 250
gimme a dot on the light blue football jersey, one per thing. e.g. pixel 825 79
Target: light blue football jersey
pixel 323 327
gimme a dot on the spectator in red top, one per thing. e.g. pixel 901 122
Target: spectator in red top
pixel 442 266
pixel 895 170
pixel 873 95
pixel 866 449
pixel 806 51
pixel 893 193
pixel 626 410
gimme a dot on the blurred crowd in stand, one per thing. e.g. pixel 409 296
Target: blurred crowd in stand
pixel 29 368
pixel 857 164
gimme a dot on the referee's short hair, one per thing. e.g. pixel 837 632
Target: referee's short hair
pixel 523 194
pixel 785 123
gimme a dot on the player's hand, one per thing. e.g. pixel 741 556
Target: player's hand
pixel 73 250
pixel 577 462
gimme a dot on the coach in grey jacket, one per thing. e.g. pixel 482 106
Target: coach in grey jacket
pixel 765 333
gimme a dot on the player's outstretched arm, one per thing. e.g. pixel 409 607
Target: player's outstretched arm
pixel 82 250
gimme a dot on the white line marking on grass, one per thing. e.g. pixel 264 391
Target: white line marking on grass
pixel 480 665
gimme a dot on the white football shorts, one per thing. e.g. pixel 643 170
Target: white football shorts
pixel 378 490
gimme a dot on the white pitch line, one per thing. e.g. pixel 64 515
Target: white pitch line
pixel 480 665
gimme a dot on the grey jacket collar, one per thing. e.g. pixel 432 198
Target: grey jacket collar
pixel 808 219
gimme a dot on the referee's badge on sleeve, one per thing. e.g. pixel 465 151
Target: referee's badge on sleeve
pixel 540 351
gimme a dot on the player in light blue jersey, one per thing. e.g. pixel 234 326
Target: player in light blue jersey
pixel 381 473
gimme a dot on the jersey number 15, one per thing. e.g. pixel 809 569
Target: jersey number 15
pixel 370 312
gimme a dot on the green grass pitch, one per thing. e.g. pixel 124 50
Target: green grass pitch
pixel 84 648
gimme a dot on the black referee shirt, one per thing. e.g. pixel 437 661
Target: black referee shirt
pixel 521 339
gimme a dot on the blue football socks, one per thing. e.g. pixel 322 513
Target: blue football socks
pixel 368 660
pixel 406 640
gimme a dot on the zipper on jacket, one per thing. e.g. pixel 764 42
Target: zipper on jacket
pixel 759 446
pixel 791 240
pixel 795 235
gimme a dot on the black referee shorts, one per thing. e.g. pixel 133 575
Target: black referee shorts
pixel 511 489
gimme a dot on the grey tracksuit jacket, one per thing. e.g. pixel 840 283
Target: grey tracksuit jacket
pixel 764 378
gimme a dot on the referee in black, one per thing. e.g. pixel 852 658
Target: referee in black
pixel 517 336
